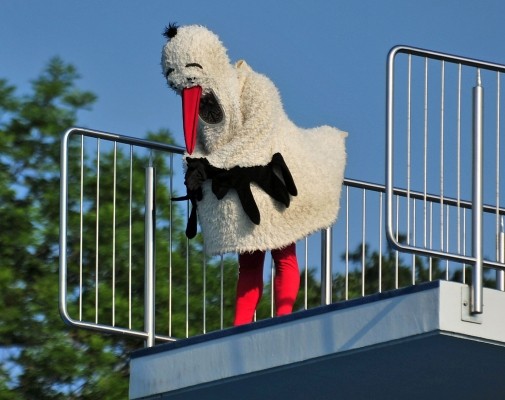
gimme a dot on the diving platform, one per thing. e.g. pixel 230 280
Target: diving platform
pixel 419 342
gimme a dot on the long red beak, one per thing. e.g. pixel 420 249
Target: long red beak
pixel 190 108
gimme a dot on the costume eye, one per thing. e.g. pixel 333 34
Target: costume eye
pixel 169 71
pixel 194 65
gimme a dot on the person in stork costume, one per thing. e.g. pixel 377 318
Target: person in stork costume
pixel 255 180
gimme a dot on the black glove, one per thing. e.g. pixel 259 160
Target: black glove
pixel 196 173
pixel 195 176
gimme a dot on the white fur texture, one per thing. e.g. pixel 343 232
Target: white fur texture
pixel 254 128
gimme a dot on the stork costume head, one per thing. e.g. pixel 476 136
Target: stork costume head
pixel 235 127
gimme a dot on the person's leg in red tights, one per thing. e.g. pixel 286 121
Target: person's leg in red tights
pixel 287 279
pixel 249 286
pixel 250 282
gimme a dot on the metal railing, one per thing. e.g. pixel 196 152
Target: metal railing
pixel 112 190
pixel 126 267
pixel 78 285
pixel 436 141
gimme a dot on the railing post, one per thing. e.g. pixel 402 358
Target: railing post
pixel 149 292
pixel 500 274
pixel 477 209
pixel 326 278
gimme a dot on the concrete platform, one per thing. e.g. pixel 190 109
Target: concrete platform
pixel 414 343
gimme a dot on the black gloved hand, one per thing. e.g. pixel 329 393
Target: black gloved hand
pixel 196 173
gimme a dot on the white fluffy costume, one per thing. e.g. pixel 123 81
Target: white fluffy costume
pixel 240 123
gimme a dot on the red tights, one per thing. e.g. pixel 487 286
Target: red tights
pixel 250 282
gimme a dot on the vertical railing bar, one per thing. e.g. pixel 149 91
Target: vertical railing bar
pixel 81 225
pixel 149 240
pixel 222 291
pixel 380 242
pixel 500 278
pixel 186 322
pixel 114 189
pixel 414 239
pixel 425 152
pixel 306 268
pixel 63 239
pixel 397 253
pixel 97 227
pixel 326 241
pixel 477 248
pixel 447 247
pixel 390 122
pixel 497 170
pixel 458 159
pixel 409 145
pixel 272 282
pixel 347 243
pixel 442 100
pixel 464 244
pixel 500 275
pixel 204 288
pixel 430 260
pixel 130 229
pixel 170 244
pixel 204 297
pixel 363 244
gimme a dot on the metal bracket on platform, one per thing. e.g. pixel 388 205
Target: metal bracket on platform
pixel 466 314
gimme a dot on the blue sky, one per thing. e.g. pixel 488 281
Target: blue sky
pixel 327 58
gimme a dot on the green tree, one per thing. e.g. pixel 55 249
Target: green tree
pixel 30 130
pixel 41 358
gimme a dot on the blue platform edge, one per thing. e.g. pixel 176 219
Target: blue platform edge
pixel 161 348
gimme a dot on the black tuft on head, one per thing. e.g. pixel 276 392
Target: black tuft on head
pixel 170 30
